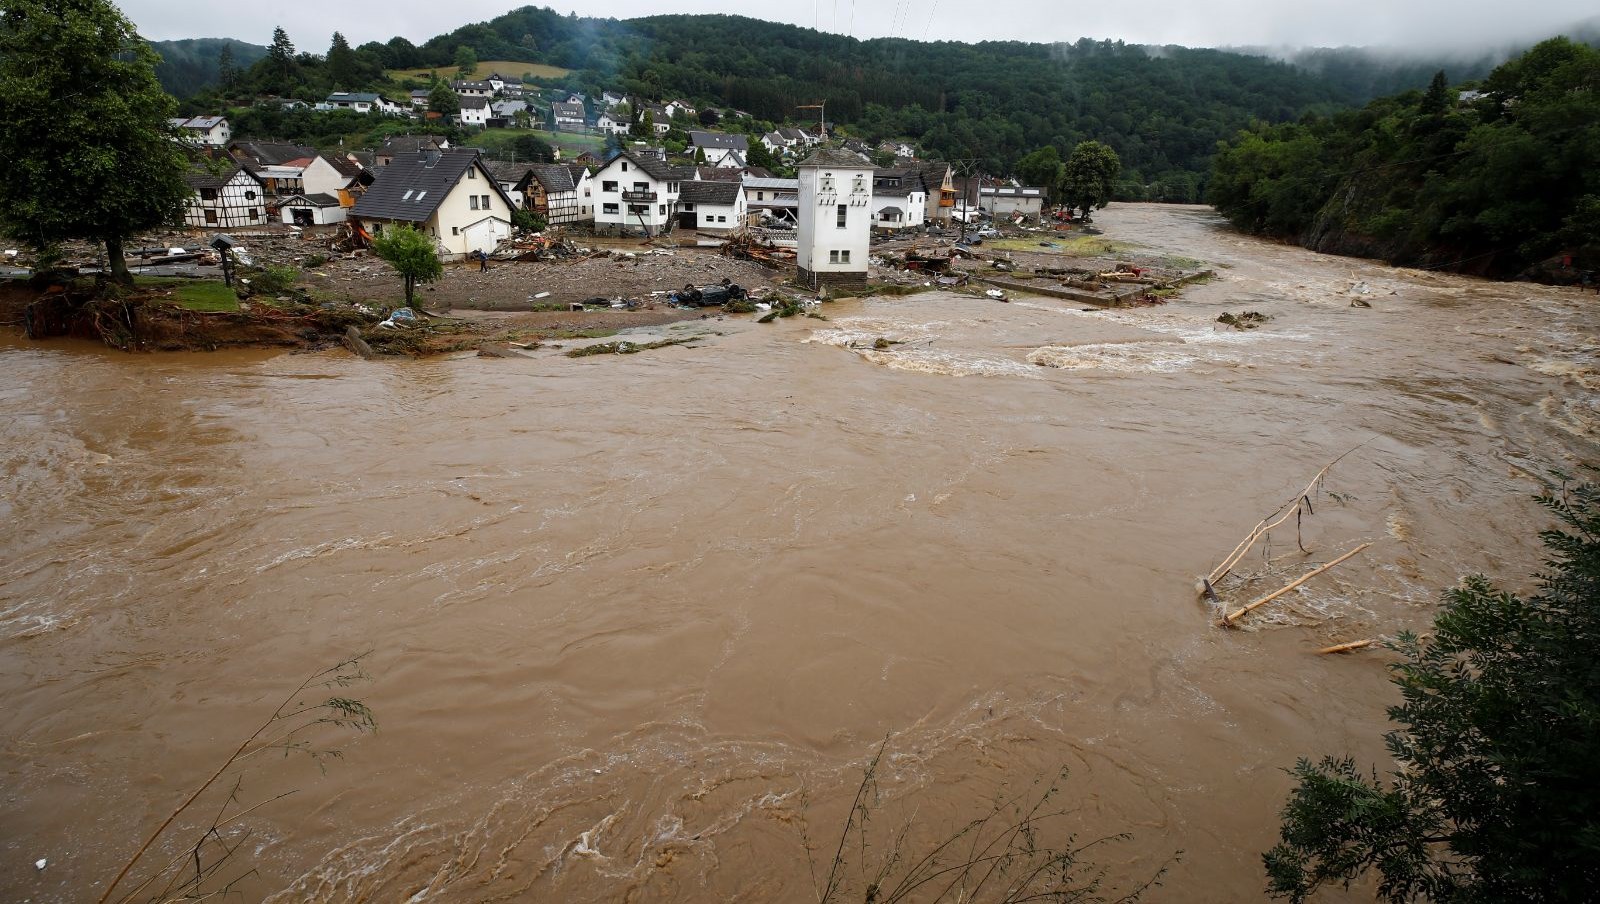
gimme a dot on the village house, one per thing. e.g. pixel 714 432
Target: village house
pixel 557 192
pixel 233 198
pixel 208 131
pixel 569 117
pixel 637 193
pixel 717 145
pixel 772 201
pixel 612 123
pixel 312 210
pixel 407 145
pixel 449 195
pixel 1007 201
pixel 471 89
pixel 785 139
pixel 498 82
pixel 513 92
pixel 900 207
pixel 711 206
pixel 673 108
pixel 611 98
pixel 419 98
pixel 660 119
pixel 280 167
pixel 505 114
pixel 363 102
pixel 934 180
pixel 474 111
pixel 835 213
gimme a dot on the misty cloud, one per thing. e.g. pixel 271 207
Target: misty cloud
pixel 1424 24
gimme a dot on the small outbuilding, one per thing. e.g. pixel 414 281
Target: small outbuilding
pixel 311 210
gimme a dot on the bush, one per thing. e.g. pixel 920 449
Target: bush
pixel 273 280
pixel 528 220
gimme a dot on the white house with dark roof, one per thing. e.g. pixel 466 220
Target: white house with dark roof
pixel 210 131
pixel 711 206
pixel 450 195
pixel 569 117
pixel 612 123
pixel 898 208
pixel 311 210
pixel 467 88
pixel 474 111
pixel 634 193
pixel 717 145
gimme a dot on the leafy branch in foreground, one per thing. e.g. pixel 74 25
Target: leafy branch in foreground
pixel 195 872
pixel 1001 856
pixel 1497 792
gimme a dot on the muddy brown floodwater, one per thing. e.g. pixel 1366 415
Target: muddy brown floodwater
pixel 635 621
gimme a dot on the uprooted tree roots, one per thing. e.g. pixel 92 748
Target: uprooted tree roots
pixel 137 323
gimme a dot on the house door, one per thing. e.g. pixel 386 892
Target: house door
pixel 302 216
pixel 686 219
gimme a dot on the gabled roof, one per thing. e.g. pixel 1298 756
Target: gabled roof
pixel 656 169
pixel 710 192
pixel 768 184
pixel 346 167
pixel 789 133
pixel 719 174
pixel 507 172
pixel 578 171
pixel 316 200
pixel 882 211
pixel 412 187
pixel 571 110
pixel 555 177
pixel 203 122
pixel 718 140
pixel 464 85
pixel 200 176
pixel 352 97
pixel 474 103
pixel 409 144
pixel 839 159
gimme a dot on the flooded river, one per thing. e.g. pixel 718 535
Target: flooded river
pixel 637 624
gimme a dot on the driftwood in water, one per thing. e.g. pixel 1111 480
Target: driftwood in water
pixel 1228 620
pixel 1296 506
pixel 1346 647
pixel 353 341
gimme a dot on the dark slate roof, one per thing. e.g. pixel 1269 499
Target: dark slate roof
pixel 316 200
pixel 270 153
pixel 657 169
pixel 577 170
pixel 411 188
pixel 883 211
pixel 720 174
pixel 408 144
pixel 347 168
pixel 790 133
pixel 507 171
pixel 710 192
pixel 574 110
pixel 718 140
pixel 840 159
pixel 474 103
pixel 465 85
pixel 200 176
pixel 902 191
pixel 555 177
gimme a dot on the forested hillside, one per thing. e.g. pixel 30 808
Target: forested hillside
pixel 189 65
pixel 1162 109
pixel 1493 184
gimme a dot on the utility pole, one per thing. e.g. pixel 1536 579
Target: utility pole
pixel 967 169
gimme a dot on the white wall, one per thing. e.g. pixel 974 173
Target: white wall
pixel 457 224
pixel 819 233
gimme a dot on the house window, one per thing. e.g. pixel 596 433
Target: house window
pixel 211 216
pixel 250 195
pixel 844 213
pixel 474 200
pixel 838 257
pixel 586 193
pixel 722 219
pixel 663 210
pixel 609 208
pixel 761 196
pixel 608 186
pixel 624 166
pixel 255 214
pixel 208 194
pixel 455 230
pixel 472 174
pixel 485 202
pixel 644 186
pixel 672 187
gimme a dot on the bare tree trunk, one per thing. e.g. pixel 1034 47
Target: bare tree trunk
pixel 411 288
pixel 116 262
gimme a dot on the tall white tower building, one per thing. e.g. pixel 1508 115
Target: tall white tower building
pixel 835 220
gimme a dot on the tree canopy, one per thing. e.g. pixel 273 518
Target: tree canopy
pixel 1496 794
pixel 412 254
pixel 1492 183
pixel 1089 177
pixel 88 151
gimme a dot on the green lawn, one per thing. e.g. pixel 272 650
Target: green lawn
pixel 194 294
pixel 495 141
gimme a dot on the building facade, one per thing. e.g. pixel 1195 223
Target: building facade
pixel 835 229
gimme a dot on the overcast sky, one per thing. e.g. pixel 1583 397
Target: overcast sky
pixel 1467 24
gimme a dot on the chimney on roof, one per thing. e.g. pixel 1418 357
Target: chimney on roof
pixel 430 156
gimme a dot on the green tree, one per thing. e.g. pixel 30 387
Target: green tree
pixel 1089 175
pixel 1497 792
pixel 343 68
pixel 83 128
pixel 1043 168
pixel 1437 100
pixel 412 254
pixel 466 62
pixel 443 101
pixel 280 63
pixel 227 69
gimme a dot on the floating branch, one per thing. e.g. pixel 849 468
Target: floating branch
pixel 1346 647
pixel 1228 620
pixel 1301 501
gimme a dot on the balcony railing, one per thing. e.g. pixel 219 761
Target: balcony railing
pixel 638 195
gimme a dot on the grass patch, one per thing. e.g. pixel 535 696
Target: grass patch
pixel 194 294
pixel 1077 246
pixel 511 68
